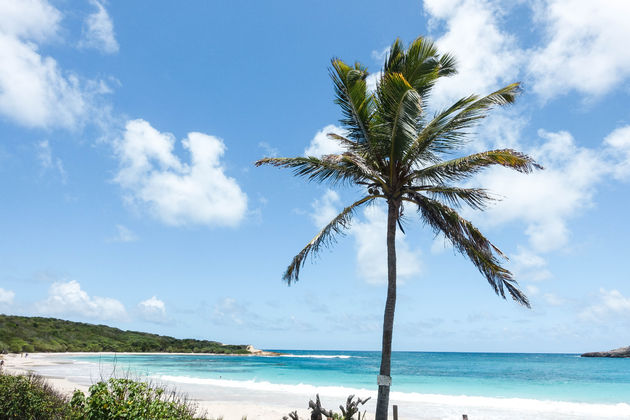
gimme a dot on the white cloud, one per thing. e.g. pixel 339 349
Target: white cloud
pixel 370 238
pixel 326 208
pixel 98 31
pixel 153 309
pixel 34 91
pixel 545 200
pixel 610 303
pixel 487 57
pixel 321 144
pixel 69 298
pixel 530 266
pixel 30 19
pixel 617 145
pixel 532 290
pixel 6 296
pixel 176 192
pixel 586 46
pixel 372 80
pixel 124 234
pixel 47 161
pixel 583 46
pixel 371 248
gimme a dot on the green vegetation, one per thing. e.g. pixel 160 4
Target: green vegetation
pixel 128 399
pixel 35 334
pixel 31 398
pixel 395 152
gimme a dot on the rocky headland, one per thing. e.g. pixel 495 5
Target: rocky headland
pixel 620 352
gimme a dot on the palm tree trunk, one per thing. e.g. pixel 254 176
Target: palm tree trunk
pixel 382 402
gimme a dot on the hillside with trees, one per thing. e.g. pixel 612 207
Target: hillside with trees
pixel 37 334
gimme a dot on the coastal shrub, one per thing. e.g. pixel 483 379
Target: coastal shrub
pixel 128 399
pixel 30 397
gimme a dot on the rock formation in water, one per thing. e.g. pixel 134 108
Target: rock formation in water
pixel 620 352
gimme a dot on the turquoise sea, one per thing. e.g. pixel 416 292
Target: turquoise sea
pixel 564 377
pixel 557 385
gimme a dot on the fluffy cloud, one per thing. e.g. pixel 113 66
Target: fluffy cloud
pixel 545 200
pixel 326 208
pixel 152 309
pixel 370 235
pixel 6 296
pixel 69 298
pixel 610 303
pixel 585 49
pixel 617 145
pixel 529 266
pixel 582 48
pixel 487 57
pixel 321 144
pixel 176 192
pixel 371 248
pixel 98 31
pixel 34 91
pixel 31 19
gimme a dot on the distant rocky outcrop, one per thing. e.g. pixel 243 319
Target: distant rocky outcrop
pixel 620 352
pixel 255 352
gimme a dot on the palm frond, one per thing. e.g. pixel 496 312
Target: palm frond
pixel 331 168
pixel 352 96
pixel 477 198
pixel 465 167
pixel 449 129
pixel 399 107
pixel 467 239
pixel 324 238
pixel 420 64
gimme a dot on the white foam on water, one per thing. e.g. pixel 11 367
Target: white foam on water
pixel 317 356
pixel 524 406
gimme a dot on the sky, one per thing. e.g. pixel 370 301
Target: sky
pixel 128 133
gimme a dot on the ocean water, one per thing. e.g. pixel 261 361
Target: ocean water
pixel 558 377
pixel 497 385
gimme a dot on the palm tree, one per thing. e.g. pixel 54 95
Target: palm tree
pixel 395 152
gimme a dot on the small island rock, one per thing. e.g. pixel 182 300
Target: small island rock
pixel 620 352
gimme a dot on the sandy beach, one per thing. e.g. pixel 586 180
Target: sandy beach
pixel 263 400
pixel 223 405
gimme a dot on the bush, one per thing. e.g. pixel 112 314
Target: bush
pixel 128 399
pixel 31 398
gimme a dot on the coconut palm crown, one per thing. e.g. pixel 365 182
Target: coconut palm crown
pixel 396 152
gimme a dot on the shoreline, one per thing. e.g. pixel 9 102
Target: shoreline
pixel 233 399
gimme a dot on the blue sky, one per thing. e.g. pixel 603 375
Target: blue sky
pixel 129 196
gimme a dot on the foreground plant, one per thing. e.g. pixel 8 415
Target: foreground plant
pixel 126 398
pixel 397 153
pixel 348 412
pixel 31 397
